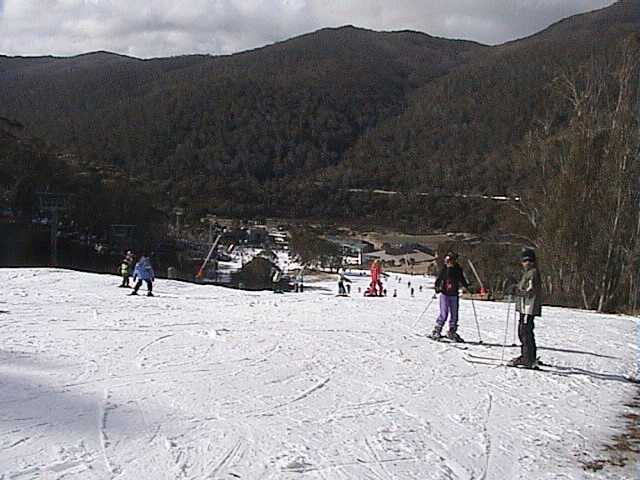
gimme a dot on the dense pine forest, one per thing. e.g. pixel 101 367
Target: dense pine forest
pixel 287 130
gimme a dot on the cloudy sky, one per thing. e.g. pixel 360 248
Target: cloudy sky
pixel 151 28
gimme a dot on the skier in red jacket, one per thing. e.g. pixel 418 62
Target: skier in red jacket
pixel 375 288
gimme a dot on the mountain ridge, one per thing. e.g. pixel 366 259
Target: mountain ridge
pixel 253 133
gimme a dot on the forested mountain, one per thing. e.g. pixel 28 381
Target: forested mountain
pixel 459 130
pixel 98 195
pixel 284 129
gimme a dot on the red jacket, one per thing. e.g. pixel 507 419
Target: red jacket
pixel 376 268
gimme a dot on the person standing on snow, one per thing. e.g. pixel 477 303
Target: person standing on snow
pixel 125 269
pixel 529 305
pixel 276 277
pixel 143 271
pixel 450 280
pixel 376 288
pixel 375 273
pixel 300 281
pixel 342 278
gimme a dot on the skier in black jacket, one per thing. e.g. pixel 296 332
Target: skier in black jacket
pixel 450 280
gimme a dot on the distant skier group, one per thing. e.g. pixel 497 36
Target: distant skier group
pixel 450 281
pixel 448 284
pixel 142 272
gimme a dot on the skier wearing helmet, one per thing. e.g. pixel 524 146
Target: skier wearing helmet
pixel 529 305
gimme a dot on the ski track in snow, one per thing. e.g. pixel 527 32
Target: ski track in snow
pixel 487 437
pixel 206 382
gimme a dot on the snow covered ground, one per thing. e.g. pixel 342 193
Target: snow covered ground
pixel 203 382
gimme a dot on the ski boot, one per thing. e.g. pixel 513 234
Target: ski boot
pixel 134 293
pixel 149 294
pixel 454 337
pixel 522 362
pixel 437 333
pixel 517 362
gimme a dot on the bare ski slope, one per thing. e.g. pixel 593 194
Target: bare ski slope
pixel 203 382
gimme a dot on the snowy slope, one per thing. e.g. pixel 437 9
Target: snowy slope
pixel 206 382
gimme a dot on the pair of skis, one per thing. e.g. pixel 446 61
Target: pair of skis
pixel 478 359
pixel 494 362
pixel 445 340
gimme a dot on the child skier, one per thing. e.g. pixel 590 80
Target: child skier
pixel 143 271
pixel 529 305
pixel 448 283
pixel 125 269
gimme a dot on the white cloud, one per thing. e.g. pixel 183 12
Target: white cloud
pixel 147 28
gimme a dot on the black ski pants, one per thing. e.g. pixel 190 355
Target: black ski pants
pixel 139 284
pixel 527 338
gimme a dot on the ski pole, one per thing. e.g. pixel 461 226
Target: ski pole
pixel 475 315
pixel 515 325
pixel 506 329
pixel 423 312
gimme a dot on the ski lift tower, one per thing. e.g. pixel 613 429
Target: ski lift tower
pixel 53 204
pixel 179 213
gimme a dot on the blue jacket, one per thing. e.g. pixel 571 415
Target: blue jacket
pixel 144 270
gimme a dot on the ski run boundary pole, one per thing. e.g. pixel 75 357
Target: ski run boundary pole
pixel 200 274
pixel 475 273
